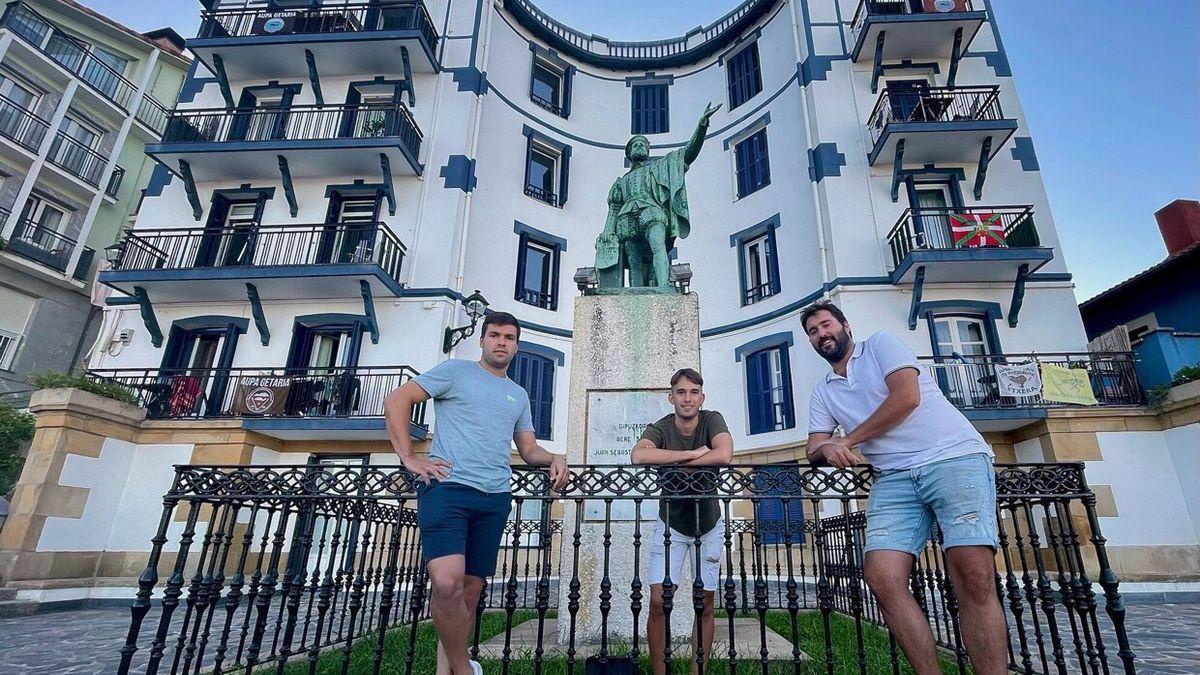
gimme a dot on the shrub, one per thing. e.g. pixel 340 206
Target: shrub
pixel 16 427
pixel 1186 374
pixel 55 380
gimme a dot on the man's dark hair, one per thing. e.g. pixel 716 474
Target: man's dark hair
pixel 690 374
pixel 500 319
pixel 821 306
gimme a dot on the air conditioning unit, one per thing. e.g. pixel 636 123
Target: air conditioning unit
pixel 124 336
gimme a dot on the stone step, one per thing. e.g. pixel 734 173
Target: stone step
pixel 8 594
pixel 14 608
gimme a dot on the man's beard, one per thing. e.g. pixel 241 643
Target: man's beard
pixel 493 362
pixel 841 344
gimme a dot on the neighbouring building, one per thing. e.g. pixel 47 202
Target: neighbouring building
pixel 336 180
pixel 1157 311
pixel 80 96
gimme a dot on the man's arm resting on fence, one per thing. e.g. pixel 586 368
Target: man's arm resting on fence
pixel 904 395
pixel 719 454
pixel 397 416
pixel 645 453
pixel 536 455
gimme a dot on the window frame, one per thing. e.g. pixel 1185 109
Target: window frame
pixel 779 362
pixel 646 121
pixel 531 238
pixel 736 71
pixel 541 411
pixel 553 64
pixel 561 153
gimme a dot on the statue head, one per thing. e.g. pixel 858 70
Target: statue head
pixel 637 149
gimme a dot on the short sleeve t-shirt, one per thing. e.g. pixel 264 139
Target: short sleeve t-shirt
pixel 477 415
pixel 681 514
pixel 935 431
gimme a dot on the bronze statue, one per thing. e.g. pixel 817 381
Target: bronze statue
pixel 647 211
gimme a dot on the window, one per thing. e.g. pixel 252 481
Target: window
pixel 546 87
pixel 753 168
pixel 760 268
pixel 651 113
pixel 966 377
pixel 932 211
pixel 743 76
pixel 535 373
pixel 541 174
pixel 772 514
pixel 769 390
pixel 537 274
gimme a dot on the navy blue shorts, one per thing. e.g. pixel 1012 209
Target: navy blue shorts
pixel 457 519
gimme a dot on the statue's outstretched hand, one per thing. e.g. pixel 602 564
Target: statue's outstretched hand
pixel 709 111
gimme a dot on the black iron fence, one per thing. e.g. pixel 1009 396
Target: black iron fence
pixel 949 228
pixel 77 56
pixel 317 568
pixel 262 245
pixel 934 104
pixel 974 381
pixel 869 8
pixel 296 393
pixel 41 244
pixel 306 122
pixel 152 113
pixel 21 126
pixel 328 17
pixel 77 159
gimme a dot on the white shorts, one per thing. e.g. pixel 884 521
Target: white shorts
pixel 712 543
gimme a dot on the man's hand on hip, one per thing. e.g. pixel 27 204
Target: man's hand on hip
pixel 427 469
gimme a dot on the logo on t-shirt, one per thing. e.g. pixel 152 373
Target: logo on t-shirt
pixel 511 399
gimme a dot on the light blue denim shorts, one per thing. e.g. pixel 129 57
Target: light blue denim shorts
pixel 959 494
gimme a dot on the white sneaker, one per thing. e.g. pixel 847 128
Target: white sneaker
pixel 476 669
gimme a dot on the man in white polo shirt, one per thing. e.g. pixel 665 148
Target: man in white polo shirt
pixel 932 467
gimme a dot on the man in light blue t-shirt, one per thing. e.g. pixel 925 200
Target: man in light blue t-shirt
pixel 464 500
pixel 933 466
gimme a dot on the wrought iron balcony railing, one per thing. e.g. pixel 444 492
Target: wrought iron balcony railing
pixel 972 382
pixel 934 104
pixel 309 122
pixel 262 245
pixel 536 298
pixel 345 574
pixel 869 8
pixel 541 194
pixel 327 17
pixel 153 114
pixel 612 53
pixel 76 56
pixel 41 244
pixel 77 159
pixel 542 103
pixel 21 126
pixel 296 393
pixel 955 228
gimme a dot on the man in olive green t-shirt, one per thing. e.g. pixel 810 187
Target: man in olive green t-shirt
pixel 689 437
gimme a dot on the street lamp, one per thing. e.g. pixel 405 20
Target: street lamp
pixel 113 254
pixel 475 305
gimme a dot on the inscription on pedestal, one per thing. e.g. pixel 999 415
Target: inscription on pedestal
pixel 615 421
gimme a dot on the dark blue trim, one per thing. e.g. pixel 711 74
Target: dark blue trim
pixel 825 160
pixel 113 277
pixel 816 68
pixel 260 318
pixel 794 306
pixel 372 324
pixel 418 432
pixel 389 188
pixel 650 78
pixel 764 342
pixel 193 85
pixel 390 36
pixel 753 231
pixel 1023 152
pixel 239 323
pixel 1018 296
pixel 999 126
pixel 245 192
pixel 160 178
pixel 459 173
pixel 289 191
pixel 742 42
pixel 991 310
pixel 324 319
pixel 539 236
pixel 543 351
pixel 983 415
pixel 913 18
pixel 359 188
pixel 762 121
pixel 313 77
pixel 1039 255
pixel 918 289
pixel 1051 276
pixel 530 132
pixel 470 79
pixel 189 188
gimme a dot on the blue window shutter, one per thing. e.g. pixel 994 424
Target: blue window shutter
pixel 545 399
pixel 564 172
pixel 554 259
pixel 649 109
pixel 789 415
pixel 742 160
pixel 568 77
pixel 522 252
pixel 743 76
pixel 772 262
pixel 758 391
pixel 535 374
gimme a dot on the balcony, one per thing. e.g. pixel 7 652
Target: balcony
pixel 21 126
pixel 321 260
pixel 286 403
pixel 972 385
pixel 345 548
pixel 931 125
pixel 966 244
pixel 222 144
pixel 673 52
pixel 343 38
pixel 42 245
pixel 896 30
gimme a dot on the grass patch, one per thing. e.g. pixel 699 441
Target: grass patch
pixel 809 629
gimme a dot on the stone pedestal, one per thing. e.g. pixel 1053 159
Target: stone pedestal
pixel 626 347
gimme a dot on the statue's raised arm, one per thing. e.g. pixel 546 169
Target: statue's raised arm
pixel 694 144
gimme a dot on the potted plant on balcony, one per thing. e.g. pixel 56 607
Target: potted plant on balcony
pixel 374 127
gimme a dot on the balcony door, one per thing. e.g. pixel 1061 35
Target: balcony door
pixel 262 113
pixel 18 99
pixel 41 232
pixel 195 371
pixel 229 233
pixel 965 371
pixel 349 235
pixel 323 358
pixel 905 97
pixel 932 212
pixel 371 109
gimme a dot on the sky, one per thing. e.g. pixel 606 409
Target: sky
pixel 1110 92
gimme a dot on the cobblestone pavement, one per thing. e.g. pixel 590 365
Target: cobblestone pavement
pixel 1165 637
